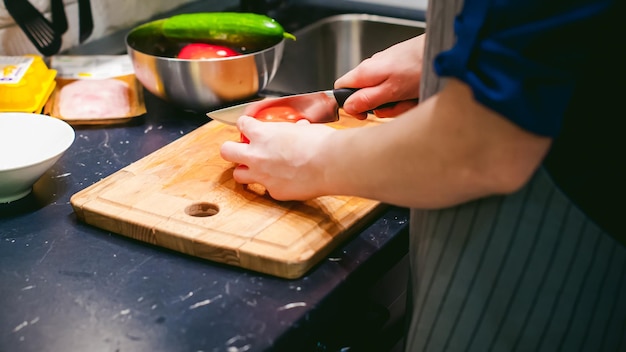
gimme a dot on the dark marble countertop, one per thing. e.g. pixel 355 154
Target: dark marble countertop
pixel 67 286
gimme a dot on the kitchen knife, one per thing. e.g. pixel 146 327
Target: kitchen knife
pixel 317 107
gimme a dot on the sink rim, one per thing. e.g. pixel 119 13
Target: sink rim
pixel 346 17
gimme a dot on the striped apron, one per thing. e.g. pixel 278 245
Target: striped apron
pixel 524 272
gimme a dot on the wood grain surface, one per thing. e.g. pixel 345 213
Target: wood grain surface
pixel 183 197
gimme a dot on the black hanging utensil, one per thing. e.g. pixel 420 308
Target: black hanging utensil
pixel 36 27
pixel 85 19
pixel 59 19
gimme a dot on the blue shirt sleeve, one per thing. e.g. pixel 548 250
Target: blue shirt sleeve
pixel 521 57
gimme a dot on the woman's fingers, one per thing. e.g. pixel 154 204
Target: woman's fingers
pixel 383 79
pixel 365 99
pixel 396 109
pixel 234 151
pixel 360 76
pixel 242 174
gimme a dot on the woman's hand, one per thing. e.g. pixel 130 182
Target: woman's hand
pixel 446 151
pixel 392 75
pixel 280 156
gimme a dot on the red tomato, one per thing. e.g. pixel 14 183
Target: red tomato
pixel 279 114
pixel 276 114
pixel 205 51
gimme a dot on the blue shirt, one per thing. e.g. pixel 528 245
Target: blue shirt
pixel 556 68
pixel 522 58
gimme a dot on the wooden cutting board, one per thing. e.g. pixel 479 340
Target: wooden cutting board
pixel 183 197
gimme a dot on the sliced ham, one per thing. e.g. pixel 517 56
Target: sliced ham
pixel 103 98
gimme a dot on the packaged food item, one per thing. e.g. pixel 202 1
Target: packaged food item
pixel 99 89
pixel 25 83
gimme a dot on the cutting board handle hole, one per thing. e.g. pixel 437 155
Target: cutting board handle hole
pixel 202 210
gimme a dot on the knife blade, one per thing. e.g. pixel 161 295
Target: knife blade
pixel 317 107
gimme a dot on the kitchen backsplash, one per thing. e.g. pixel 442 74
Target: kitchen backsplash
pixel 109 16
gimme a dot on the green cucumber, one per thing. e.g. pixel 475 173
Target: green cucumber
pixel 154 28
pixel 227 28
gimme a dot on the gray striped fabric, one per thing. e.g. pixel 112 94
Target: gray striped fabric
pixel 525 272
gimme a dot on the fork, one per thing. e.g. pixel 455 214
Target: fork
pixel 36 27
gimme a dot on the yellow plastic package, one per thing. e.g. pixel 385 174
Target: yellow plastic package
pixel 25 83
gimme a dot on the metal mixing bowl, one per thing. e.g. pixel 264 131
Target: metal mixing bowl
pixel 203 84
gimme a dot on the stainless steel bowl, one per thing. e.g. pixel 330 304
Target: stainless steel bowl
pixel 200 85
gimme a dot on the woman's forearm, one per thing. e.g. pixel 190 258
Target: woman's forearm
pixel 448 150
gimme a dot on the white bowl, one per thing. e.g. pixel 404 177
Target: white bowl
pixel 29 145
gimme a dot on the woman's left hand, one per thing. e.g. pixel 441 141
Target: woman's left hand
pixel 280 156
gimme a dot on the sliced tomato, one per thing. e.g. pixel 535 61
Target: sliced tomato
pixel 196 51
pixel 279 114
pixel 275 114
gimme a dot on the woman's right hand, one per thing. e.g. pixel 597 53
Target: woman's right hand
pixel 392 75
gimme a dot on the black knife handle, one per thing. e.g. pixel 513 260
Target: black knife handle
pixel 342 94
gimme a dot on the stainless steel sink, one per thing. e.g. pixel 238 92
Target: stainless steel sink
pixel 332 46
